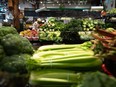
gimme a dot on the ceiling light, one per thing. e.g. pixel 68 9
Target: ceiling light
pixel 96 7
pixel 40 9
pixel 68 1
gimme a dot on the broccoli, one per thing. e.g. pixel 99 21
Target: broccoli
pixel 98 79
pixel 15 44
pixel 16 63
pixel 2 53
pixel 7 30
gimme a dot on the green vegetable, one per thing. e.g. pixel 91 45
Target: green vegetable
pixel 15 54
pixel 2 53
pixel 15 44
pixel 56 47
pixel 76 56
pixel 63 54
pixel 112 11
pixel 7 30
pixel 16 63
pixel 53 77
pixel 90 24
pixel 84 58
pixel 73 26
pixel 82 66
pixel 50 36
pixel 98 79
pixel 110 29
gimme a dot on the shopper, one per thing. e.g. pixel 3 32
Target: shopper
pixel 35 25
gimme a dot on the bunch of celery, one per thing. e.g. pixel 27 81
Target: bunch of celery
pixel 71 57
pixel 54 78
pixel 59 64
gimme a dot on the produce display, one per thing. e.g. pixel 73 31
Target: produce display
pixel 14 45
pixel 72 32
pixel 97 79
pixel 54 78
pixel 105 47
pixel 50 36
pixel 57 65
pixel 50 31
pixel 85 35
pixel 90 24
pixel 57 31
pixel 31 35
pixel 73 25
pixel 69 33
pixel 61 56
pixel 52 24
pixel 17 43
pixel 110 18
pixel 65 78
pixel 2 53
pixel 106 38
pixel 60 64
pixel 6 30
pixel 15 57
pixel 112 11
pixel 16 63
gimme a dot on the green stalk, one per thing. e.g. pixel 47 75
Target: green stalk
pixel 53 77
pixel 54 54
pixel 78 66
pixel 71 59
pixel 56 47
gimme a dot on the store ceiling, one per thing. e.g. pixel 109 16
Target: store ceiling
pixel 77 2
pixel 64 1
pixel 72 2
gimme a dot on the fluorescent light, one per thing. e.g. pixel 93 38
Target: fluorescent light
pixel 40 9
pixel 96 7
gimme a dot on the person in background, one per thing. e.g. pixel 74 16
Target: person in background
pixel 37 24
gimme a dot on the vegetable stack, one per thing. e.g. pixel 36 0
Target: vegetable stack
pixel 15 55
pixel 105 47
pixel 107 40
pixel 63 60
pixel 14 49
